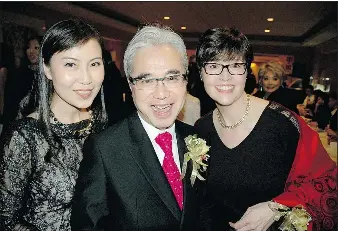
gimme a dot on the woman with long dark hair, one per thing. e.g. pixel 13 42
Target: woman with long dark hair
pixel 41 153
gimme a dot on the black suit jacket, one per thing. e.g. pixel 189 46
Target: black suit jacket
pixel 333 122
pixel 122 186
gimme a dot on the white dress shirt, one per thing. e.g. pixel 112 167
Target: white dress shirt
pixel 153 133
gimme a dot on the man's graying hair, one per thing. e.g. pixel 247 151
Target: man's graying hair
pixel 152 35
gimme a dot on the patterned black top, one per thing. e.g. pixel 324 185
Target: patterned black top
pixel 255 171
pixel 33 191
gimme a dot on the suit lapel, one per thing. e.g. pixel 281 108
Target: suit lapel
pixel 146 158
pixel 181 134
pixel 180 144
pixel 189 197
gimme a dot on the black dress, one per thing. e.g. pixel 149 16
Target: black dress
pixel 35 192
pixel 255 171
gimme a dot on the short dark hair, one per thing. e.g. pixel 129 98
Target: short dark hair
pixel 218 43
pixel 62 36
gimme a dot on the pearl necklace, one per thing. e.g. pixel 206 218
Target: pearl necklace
pixel 219 115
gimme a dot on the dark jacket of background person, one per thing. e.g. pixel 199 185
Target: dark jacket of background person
pixel 322 113
pixel 21 88
pixel 250 84
pixel 333 122
pixel 322 116
pixel 196 88
pixel 7 69
pixel 289 98
pixel 17 88
pixel 114 86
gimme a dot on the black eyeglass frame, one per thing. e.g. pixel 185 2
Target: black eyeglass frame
pixel 225 66
pixel 134 80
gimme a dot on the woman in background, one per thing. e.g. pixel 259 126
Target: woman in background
pixel 41 153
pixel 21 88
pixel 263 157
pixel 271 76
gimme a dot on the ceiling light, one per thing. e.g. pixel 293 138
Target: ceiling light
pixel 166 17
pixel 267 30
pixel 183 27
pixel 270 19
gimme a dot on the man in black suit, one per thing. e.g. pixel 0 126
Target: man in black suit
pixel 128 180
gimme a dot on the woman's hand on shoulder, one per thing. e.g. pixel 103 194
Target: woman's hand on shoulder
pixel 258 217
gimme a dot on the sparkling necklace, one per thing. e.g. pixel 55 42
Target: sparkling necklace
pixel 219 115
pixel 86 129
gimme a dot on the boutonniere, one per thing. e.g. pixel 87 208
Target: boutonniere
pixel 197 153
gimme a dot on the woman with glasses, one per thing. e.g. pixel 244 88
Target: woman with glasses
pixel 264 159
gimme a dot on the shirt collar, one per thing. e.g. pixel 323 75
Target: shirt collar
pixel 154 132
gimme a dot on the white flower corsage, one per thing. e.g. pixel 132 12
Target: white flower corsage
pixel 197 152
pixel 295 219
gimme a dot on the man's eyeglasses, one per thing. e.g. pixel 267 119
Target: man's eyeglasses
pixel 170 81
pixel 217 69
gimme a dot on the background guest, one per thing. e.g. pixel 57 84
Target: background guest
pixel 271 76
pixel 7 71
pixel 21 88
pixel 333 108
pixel 251 86
pixel 321 114
pixel 116 91
pixel 309 101
pixel 195 87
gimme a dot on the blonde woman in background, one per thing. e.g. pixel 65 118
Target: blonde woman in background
pixel 271 76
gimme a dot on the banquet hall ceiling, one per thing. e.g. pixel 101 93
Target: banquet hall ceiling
pixel 295 23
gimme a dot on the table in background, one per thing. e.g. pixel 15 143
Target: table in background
pixel 330 148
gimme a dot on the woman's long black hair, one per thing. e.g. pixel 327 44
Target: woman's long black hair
pixel 62 36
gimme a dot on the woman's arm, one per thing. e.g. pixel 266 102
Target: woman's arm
pixel 90 203
pixel 15 171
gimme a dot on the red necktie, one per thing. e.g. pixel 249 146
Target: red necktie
pixel 170 168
